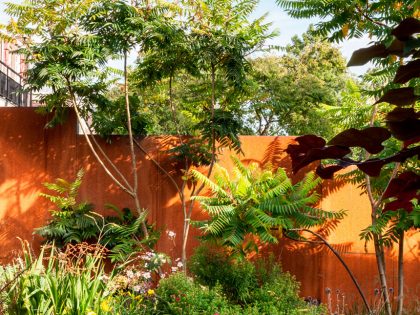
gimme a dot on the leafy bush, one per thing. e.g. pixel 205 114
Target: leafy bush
pixel 75 222
pixel 212 266
pixel 259 287
pixel 179 294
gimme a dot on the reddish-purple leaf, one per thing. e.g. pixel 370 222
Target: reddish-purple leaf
pixel 372 167
pixel 364 55
pixel 396 48
pixel 400 97
pixel 406 28
pixel 316 154
pixel 411 141
pixel 404 123
pixel 298 151
pixel 311 141
pixel 328 171
pixel 312 148
pixel 403 155
pixel 407 72
pixel 404 188
pixel 370 138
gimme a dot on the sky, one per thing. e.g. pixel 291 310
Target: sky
pixel 287 26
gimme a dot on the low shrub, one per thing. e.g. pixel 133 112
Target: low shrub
pixel 74 282
pixel 259 287
pixel 179 294
pixel 211 266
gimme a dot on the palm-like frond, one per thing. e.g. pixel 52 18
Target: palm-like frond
pixel 258 202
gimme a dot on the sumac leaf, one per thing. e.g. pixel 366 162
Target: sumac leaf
pixel 370 138
pixel 364 55
pixel 404 188
pixel 407 72
pixel 403 155
pixel 406 28
pixel 403 123
pixel 400 97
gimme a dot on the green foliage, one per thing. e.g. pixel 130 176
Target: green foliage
pixel 257 202
pixel 212 266
pixel 259 287
pixel 178 294
pixel 71 221
pixel 49 285
pixel 290 94
pixel 74 222
pixel 191 152
pixel 110 118
pixel 224 127
pixel 343 19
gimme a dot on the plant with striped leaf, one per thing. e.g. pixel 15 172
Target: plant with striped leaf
pixel 258 202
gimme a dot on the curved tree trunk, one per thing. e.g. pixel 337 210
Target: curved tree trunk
pixel 350 273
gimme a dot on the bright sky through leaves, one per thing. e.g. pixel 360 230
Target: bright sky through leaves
pixel 287 26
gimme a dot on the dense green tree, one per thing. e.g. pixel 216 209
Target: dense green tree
pixel 200 57
pixel 67 60
pixel 288 93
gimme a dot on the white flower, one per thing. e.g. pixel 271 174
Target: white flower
pixel 147 275
pixel 130 274
pixel 145 257
pixel 174 269
pixel 171 234
pixel 180 264
pixel 137 288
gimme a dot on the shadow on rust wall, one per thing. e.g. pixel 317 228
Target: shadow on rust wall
pixel 31 155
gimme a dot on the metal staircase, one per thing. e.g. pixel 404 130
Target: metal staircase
pixel 11 83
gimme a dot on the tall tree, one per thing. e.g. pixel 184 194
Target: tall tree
pixel 210 45
pixel 67 63
pixel 288 94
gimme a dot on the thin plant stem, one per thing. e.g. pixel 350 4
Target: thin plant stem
pixel 400 303
pixel 133 153
pixel 337 254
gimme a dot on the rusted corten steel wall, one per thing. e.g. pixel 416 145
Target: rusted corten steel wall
pixel 31 155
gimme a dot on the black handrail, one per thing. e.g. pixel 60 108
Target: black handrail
pixel 11 85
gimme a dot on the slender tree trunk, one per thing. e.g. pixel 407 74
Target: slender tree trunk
pixel 400 302
pixel 188 212
pixel 379 250
pixel 380 261
pixel 133 153
pixel 127 188
pixel 181 191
